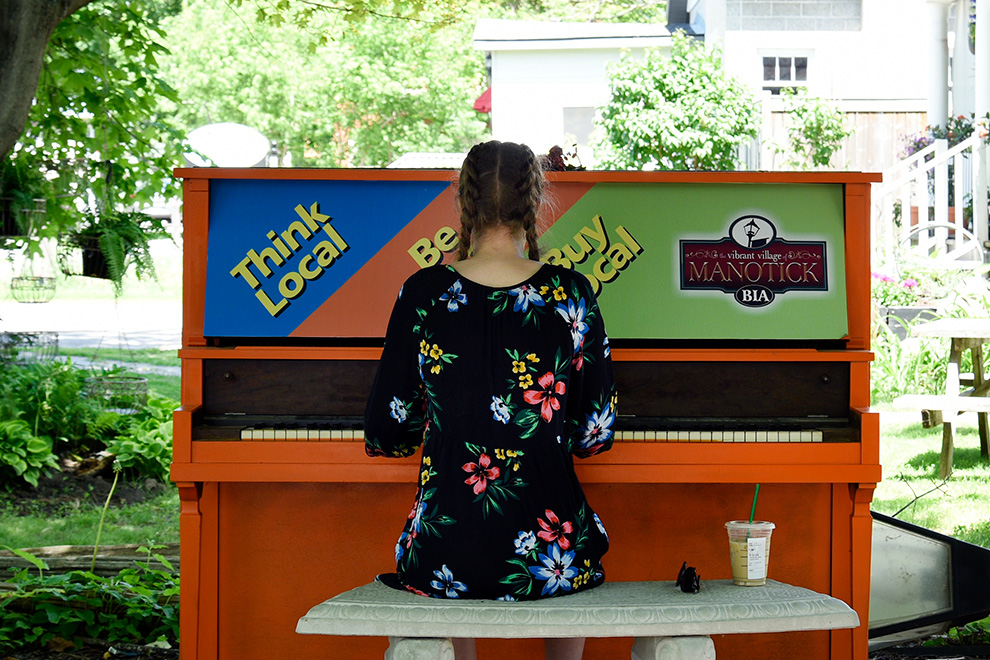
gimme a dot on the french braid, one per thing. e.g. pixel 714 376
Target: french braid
pixel 501 183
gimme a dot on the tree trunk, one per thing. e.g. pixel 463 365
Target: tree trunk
pixel 25 28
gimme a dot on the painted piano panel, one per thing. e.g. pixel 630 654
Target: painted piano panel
pixel 325 258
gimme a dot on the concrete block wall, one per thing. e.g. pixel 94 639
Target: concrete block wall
pixel 794 15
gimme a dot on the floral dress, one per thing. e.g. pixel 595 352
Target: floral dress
pixel 502 386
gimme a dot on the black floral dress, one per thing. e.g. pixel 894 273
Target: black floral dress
pixel 502 386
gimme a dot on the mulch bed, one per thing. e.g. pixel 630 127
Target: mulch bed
pixel 94 650
pixel 84 483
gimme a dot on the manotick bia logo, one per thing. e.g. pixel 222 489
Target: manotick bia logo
pixel 753 263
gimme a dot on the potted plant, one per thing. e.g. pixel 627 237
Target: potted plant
pixel 110 242
pixel 902 302
pixel 24 190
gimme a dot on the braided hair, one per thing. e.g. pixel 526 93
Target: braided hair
pixel 501 183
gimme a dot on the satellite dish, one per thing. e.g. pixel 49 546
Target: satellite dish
pixel 228 145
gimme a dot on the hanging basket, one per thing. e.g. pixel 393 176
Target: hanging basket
pixel 9 227
pixel 8 218
pixel 124 395
pixel 23 348
pixel 30 289
pixel 81 255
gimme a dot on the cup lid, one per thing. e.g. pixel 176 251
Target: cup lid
pixel 745 524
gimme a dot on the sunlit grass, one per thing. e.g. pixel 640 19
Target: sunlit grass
pixel 123 356
pixel 155 521
pixel 910 455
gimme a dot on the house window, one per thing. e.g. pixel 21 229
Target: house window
pixel 579 123
pixel 784 71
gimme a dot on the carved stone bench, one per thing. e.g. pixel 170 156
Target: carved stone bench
pixel 666 623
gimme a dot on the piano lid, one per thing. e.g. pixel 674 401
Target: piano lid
pixel 316 258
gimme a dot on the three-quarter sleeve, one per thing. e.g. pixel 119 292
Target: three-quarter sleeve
pixel 394 417
pixel 592 404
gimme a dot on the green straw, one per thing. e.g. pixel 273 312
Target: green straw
pixel 752 512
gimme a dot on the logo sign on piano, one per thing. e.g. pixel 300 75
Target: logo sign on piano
pixel 753 263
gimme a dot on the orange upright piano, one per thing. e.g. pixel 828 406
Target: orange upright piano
pixel 738 308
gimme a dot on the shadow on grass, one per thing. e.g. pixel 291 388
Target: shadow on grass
pixel 963 458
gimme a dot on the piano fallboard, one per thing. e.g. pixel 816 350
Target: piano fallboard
pixel 796 384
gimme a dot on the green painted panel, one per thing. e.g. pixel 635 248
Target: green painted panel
pixel 628 237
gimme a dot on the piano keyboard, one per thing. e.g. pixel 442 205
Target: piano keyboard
pixel 285 433
pixel 318 433
pixel 719 436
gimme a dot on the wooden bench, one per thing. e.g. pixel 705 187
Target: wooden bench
pixel 666 623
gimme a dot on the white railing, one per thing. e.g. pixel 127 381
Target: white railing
pixel 915 216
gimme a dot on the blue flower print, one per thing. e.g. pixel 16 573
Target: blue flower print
pixel 417 517
pixel 574 315
pixel 398 410
pixel 400 548
pixel 525 543
pixel 454 297
pixel 598 427
pixel 507 598
pixel 526 295
pixel 500 410
pixel 601 527
pixel 447 583
pixel 556 570
pixel 608 349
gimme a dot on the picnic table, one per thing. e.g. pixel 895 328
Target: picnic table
pixel 964 334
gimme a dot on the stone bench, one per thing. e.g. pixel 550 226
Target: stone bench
pixel 666 623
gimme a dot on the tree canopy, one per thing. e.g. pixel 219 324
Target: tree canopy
pixel 362 99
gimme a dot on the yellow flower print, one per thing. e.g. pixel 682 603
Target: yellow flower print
pixel 511 453
pixel 500 454
pixel 544 290
pixel 558 294
pixel 424 347
pixel 532 358
pixel 435 352
pixel 428 460
pixel 424 477
pixel 525 381
pixel 518 367
pixel 435 369
pixel 515 467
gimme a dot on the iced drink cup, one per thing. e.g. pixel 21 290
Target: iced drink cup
pixel 749 551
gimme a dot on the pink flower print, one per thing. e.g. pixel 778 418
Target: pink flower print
pixel 554 530
pixel 547 397
pixel 480 473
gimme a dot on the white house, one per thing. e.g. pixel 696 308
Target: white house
pixel 547 79
pixel 884 62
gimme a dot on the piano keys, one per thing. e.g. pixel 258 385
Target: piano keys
pixel 331 432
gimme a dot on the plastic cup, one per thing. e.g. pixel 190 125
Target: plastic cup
pixel 749 551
